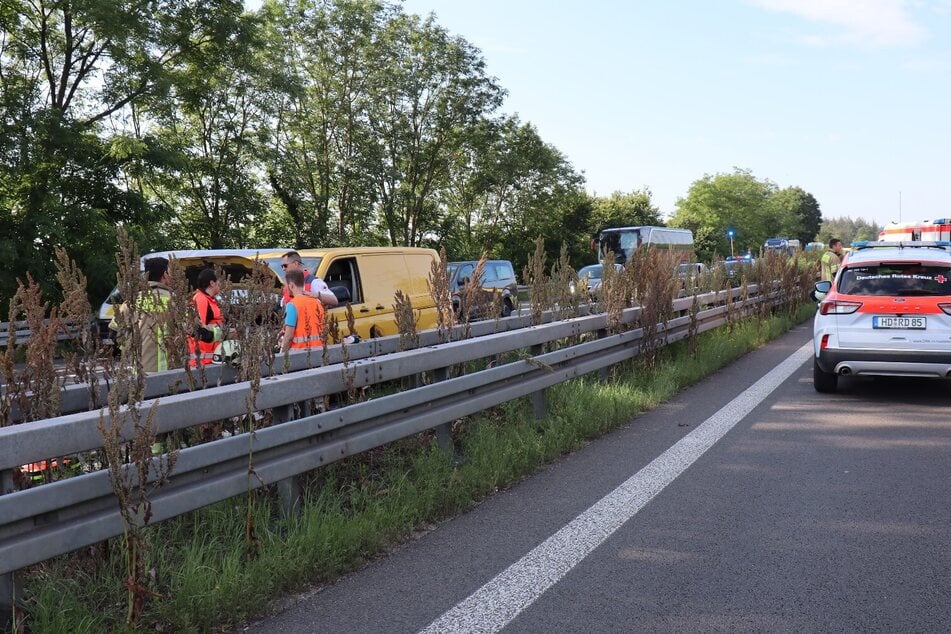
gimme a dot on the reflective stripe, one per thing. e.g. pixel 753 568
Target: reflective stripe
pixel 309 330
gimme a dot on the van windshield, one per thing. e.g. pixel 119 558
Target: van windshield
pixel 311 265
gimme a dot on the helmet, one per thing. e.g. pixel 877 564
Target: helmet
pixel 228 351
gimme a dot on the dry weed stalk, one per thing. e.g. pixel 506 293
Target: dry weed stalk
pixel 615 293
pixel 561 280
pixel 178 322
pixel 33 390
pixel 655 284
pixel 442 296
pixel 694 328
pixel 405 321
pixel 82 360
pixel 472 298
pixel 255 315
pixel 535 277
pixel 131 483
pixel 253 312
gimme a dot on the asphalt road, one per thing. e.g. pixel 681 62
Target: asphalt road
pixel 749 503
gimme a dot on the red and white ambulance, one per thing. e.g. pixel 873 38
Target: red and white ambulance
pixel 922 230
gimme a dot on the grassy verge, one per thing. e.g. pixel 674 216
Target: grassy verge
pixel 204 578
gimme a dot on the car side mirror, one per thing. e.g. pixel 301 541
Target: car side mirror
pixel 822 289
pixel 463 281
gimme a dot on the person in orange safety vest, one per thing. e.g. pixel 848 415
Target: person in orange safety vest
pixel 202 346
pixel 303 316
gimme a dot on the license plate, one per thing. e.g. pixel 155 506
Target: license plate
pixel 904 323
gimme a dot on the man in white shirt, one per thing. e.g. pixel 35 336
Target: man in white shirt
pixel 313 286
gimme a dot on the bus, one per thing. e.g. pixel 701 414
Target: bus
pixel 923 230
pixel 623 241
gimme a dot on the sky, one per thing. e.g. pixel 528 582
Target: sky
pixel 849 100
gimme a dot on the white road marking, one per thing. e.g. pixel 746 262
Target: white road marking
pixel 494 605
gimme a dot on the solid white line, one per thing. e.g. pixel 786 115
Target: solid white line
pixel 494 605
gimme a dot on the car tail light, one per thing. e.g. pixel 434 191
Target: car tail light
pixel 946 308
pixel 839 308
pixel 824 343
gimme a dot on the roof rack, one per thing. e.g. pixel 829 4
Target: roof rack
pixel 944 245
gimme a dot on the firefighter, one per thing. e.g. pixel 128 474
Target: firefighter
pixel 150 309
pixel 831 260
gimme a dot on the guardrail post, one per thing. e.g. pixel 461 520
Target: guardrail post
pixel 605 372
pixel 6 481
pixel 539 403
pixel 444 431
pixel 7 600
pixel 288 489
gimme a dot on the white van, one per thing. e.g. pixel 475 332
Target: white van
pixel 236 264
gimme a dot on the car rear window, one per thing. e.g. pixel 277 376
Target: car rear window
pixel 906 278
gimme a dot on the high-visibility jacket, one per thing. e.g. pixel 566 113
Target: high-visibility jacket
pixel 151 307
pixel 309 329
pixel 829 265
pixel 209 314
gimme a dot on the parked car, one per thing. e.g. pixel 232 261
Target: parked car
pixel 497 284
pixel 589 279
pixel 736 267
pixel 887 313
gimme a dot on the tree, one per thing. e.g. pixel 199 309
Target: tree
pixel 849 230
pixel 429 90
pixel 209 130
pixel 507 187
pixel 624 210
pixel 754 209
pixel 799 211
pixel 70 72
pixel 320 153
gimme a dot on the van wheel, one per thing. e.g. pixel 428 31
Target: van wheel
pixel 823 381
pixel 506 307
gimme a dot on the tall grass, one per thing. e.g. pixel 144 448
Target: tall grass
pixel 199 567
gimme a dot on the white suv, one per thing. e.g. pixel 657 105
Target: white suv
pixel 887 313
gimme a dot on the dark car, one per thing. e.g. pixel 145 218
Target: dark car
pixel 736 267
pixel 496 284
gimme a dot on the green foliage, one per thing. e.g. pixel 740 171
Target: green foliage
pixel 69 69
pixel 754 209
pixel 624 210
pixel 848 230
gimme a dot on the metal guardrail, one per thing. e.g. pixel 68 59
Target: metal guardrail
pixel 56 518
pixel 21 332
pixel 79 397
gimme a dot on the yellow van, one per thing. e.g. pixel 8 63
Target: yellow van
pixel 370 277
